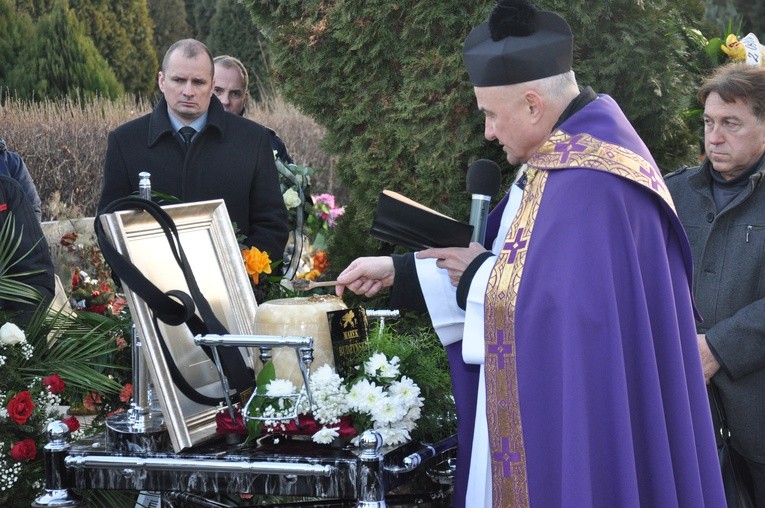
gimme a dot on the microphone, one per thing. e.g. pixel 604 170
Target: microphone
pixel 483 179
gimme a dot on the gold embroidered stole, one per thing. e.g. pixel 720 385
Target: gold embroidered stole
pixel 506 447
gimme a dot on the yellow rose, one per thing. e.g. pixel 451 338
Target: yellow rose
pixel 256 262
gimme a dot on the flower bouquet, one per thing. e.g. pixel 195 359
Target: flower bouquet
pixel 334 409
pixel 28 402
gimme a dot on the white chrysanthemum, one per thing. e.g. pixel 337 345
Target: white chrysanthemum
pixel 291 198
pixel 387 411
pixel 407 391
pixel 364 395
pixel 11 334
pixel 376 363
pixel 280 388
pixel 391 369
pixel 325 435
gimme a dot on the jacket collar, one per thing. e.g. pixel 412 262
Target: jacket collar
pixel 701 180
pixel 159 123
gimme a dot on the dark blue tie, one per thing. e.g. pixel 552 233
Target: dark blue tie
pixel 187 133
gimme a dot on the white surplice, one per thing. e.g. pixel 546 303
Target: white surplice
pixel 452 324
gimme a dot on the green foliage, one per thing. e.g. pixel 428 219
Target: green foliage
pixel 15 31
pixel 35 8
pixel 233 32
pixel 638 52
pixel 199 13
pixel 123 33
pixel 170 25
pixel 14 290
pixel 386 80
pixel 61 61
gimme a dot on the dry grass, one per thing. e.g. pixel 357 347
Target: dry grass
pixel 64 142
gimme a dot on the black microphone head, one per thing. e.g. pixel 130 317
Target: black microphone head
pixel 483 177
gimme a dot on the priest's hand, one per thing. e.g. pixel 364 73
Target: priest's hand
pixel 366 276
pixel 708 360
pixel 453 259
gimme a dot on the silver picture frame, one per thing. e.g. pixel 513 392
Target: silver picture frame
pixel 209 242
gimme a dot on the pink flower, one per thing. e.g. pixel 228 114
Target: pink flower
pixel 327 199
pixel 91 401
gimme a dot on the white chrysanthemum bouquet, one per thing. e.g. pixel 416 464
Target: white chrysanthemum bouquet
pixel 379 397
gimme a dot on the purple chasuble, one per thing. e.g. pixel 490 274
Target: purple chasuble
pixel 610 389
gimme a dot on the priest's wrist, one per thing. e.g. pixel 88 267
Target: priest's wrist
pixel 463 288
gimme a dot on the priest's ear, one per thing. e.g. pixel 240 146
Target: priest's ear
pixel 533 106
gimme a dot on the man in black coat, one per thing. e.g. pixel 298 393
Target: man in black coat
pixel 227 156
pixel 29 261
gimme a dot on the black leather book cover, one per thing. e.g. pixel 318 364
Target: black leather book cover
pixel 401 221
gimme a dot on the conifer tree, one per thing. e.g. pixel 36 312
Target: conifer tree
pixel 123 34
pixel 170 25
pixel 61 60
pixel 15 31
pixel 233 32
pixel 387 81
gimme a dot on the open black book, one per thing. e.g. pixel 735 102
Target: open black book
pixel 402 221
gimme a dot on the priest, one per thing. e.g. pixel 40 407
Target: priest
pixel 576 368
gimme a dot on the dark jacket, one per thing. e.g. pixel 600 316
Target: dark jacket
pixel 230 159
pixel 729 289
pixel 32 254
pixel 11 164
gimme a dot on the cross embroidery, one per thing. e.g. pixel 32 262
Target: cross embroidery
pixel 499 349
pixel 514 246
pixel 651 174
pixel 566 149
pixel 506 457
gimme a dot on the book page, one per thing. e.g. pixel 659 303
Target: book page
pixel 406 200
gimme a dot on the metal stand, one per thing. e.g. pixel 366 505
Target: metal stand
pixel 57 494
pixel 303 346
pixel 381 314
pixel 139 429
pixel 372 479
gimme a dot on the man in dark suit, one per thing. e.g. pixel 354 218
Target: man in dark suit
pixel 226 156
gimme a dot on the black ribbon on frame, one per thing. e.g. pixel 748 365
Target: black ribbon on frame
pixel 174 307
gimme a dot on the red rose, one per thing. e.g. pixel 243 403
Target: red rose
pixel 54 383
pixel 24 450
pixel 73 423
pixel 20 407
